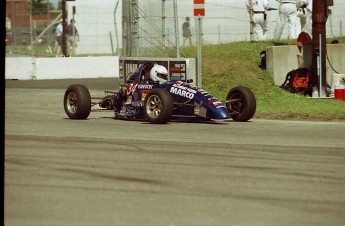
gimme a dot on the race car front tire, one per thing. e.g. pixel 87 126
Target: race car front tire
pixel 77 102
pixel 158 106
pixel 241 103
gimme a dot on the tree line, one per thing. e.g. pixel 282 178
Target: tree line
pixel 42 7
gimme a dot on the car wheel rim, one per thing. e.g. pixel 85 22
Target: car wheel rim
pixel 154 106
pixel 236 104
pixel 72 102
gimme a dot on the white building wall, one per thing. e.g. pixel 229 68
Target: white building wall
pixel 95 21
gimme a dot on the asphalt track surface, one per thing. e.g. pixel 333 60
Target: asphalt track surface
pixel 103 171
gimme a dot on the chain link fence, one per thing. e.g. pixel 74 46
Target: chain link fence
pixel 149 28
pixel 28 33
pixel 135 27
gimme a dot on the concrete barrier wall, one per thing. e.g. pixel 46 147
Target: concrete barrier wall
pixel 26 68
pixel 18 68
pixel 282 59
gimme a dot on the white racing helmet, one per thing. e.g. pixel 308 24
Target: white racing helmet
pixel 159 74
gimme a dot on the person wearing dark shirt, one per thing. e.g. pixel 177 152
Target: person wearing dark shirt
pixel 187 32
pixel 73 36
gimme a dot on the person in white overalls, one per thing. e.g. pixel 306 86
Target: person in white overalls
pixel 257 10
pixel 304 16
pixel 287 11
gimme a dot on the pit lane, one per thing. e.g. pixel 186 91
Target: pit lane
pixel 103 171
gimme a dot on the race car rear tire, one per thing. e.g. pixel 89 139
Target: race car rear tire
pixel 77 102
pixel 158 106
pixel 241 103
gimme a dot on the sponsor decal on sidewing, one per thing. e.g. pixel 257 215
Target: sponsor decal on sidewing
pixel 131 110
pixel 183 91
pixel 145 86
pixel 144 94
pixel 215 102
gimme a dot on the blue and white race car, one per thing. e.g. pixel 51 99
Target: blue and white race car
pixel 148 96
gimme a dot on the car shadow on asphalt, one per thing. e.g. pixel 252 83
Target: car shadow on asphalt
pixel 174 119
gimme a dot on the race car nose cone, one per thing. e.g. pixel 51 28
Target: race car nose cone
pixel 220 113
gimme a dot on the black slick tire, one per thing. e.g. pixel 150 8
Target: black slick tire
pixel 241 103
pixel 77 102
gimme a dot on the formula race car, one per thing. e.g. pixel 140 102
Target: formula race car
pixel 149 96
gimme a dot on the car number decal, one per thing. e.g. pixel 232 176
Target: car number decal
pixel 132 87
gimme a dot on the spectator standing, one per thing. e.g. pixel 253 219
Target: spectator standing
pixel 73 36
pixel 287 11
pixel 187 32
pixel 258 17
pixel 304 14
pixel 58 38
